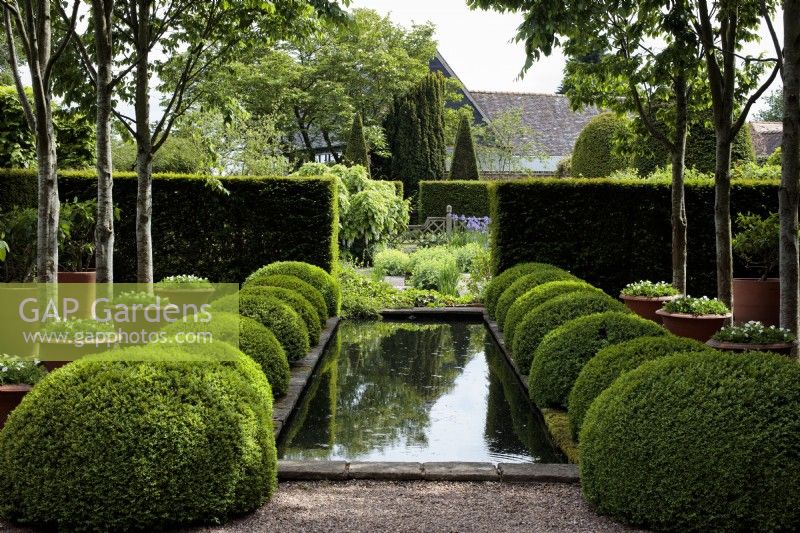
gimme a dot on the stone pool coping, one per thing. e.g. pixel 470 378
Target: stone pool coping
pixel 434 471
pixel 302 371
pixel 407 471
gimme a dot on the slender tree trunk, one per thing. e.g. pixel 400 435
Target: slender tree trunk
pixel 304 134
pixel 679 221
pixel 104 230
pixel 789 194
pixel 722 217
pixel 48 203
pixel 49 206
pixel 336 157
pixel 144 152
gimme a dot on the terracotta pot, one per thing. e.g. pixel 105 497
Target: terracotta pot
pixel 700 328
pixel 181 297
pixel 56 354
pixel 784 348
pixel 81 286
pixel 10 398
pixel 646 307
pixel 754 299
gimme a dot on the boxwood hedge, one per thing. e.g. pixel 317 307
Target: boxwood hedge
pixel 562 353
pixel 275 315
pixel 613 361
pixel 253 339
pixel 536 297
pixel 116 445
pixel 295 300
pixel 503 280
pixel 296 284
pixel 697 442
pixel 613 232
pixel 314 276
pixel 523 285
pixel 470 198
pixel 544 318
pixel 270 218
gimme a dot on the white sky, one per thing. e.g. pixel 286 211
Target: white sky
pixel 478 44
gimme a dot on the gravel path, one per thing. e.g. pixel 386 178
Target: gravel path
pixel 371 506
pixel 374 506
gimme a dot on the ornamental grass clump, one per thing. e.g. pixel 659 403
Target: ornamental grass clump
pixel 649 289
pixel 754 333
pixel 703 306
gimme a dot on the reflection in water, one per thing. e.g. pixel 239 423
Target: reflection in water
pixel 399 391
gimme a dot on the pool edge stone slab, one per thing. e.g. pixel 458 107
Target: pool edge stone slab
pixel 434 471
pixel 302 371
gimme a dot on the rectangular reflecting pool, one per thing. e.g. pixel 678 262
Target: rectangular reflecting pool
pixel 403 391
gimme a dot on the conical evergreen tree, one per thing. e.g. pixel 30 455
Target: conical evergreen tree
pixel 465 164
pixel 415 134
pixel 356 152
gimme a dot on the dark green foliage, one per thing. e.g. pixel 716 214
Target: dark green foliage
pixel 650 154
pixel 523 285
pixel 697 442
pixel 114 445
pixel 253 339
pixel 465 164
pixel 543 319
pixel 261 345
pixel 296 284
pixel 276 316
pixel 504 280
pixel 299 305
pixel 415 134
pixel 611 362
pixel 593 156
pixel 536 297
pixel 313 275
pixel 75 136
pixel 262 220
pixel 470 198
pixel 562 353
pixel 613 232
pixel 357 152
pixel 701 147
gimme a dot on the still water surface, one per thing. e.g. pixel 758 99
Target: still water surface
pixel 400 391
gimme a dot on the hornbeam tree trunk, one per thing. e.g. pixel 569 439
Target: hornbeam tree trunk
pixel 722 218
pixel 679 219
pixel 144 152
pixel 49 206
pixel 104 230
pixel 790 176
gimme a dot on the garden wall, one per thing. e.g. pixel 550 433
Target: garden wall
pixel 469 198
pixel 613 232
pixel 198 229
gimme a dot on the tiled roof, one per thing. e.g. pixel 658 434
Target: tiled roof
pixel 767 136
pixel 548 115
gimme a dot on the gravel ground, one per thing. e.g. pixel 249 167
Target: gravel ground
pixel 371 506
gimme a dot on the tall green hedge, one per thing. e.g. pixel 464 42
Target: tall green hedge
pixel 470 198
pixel 198 229
pixel 612 232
